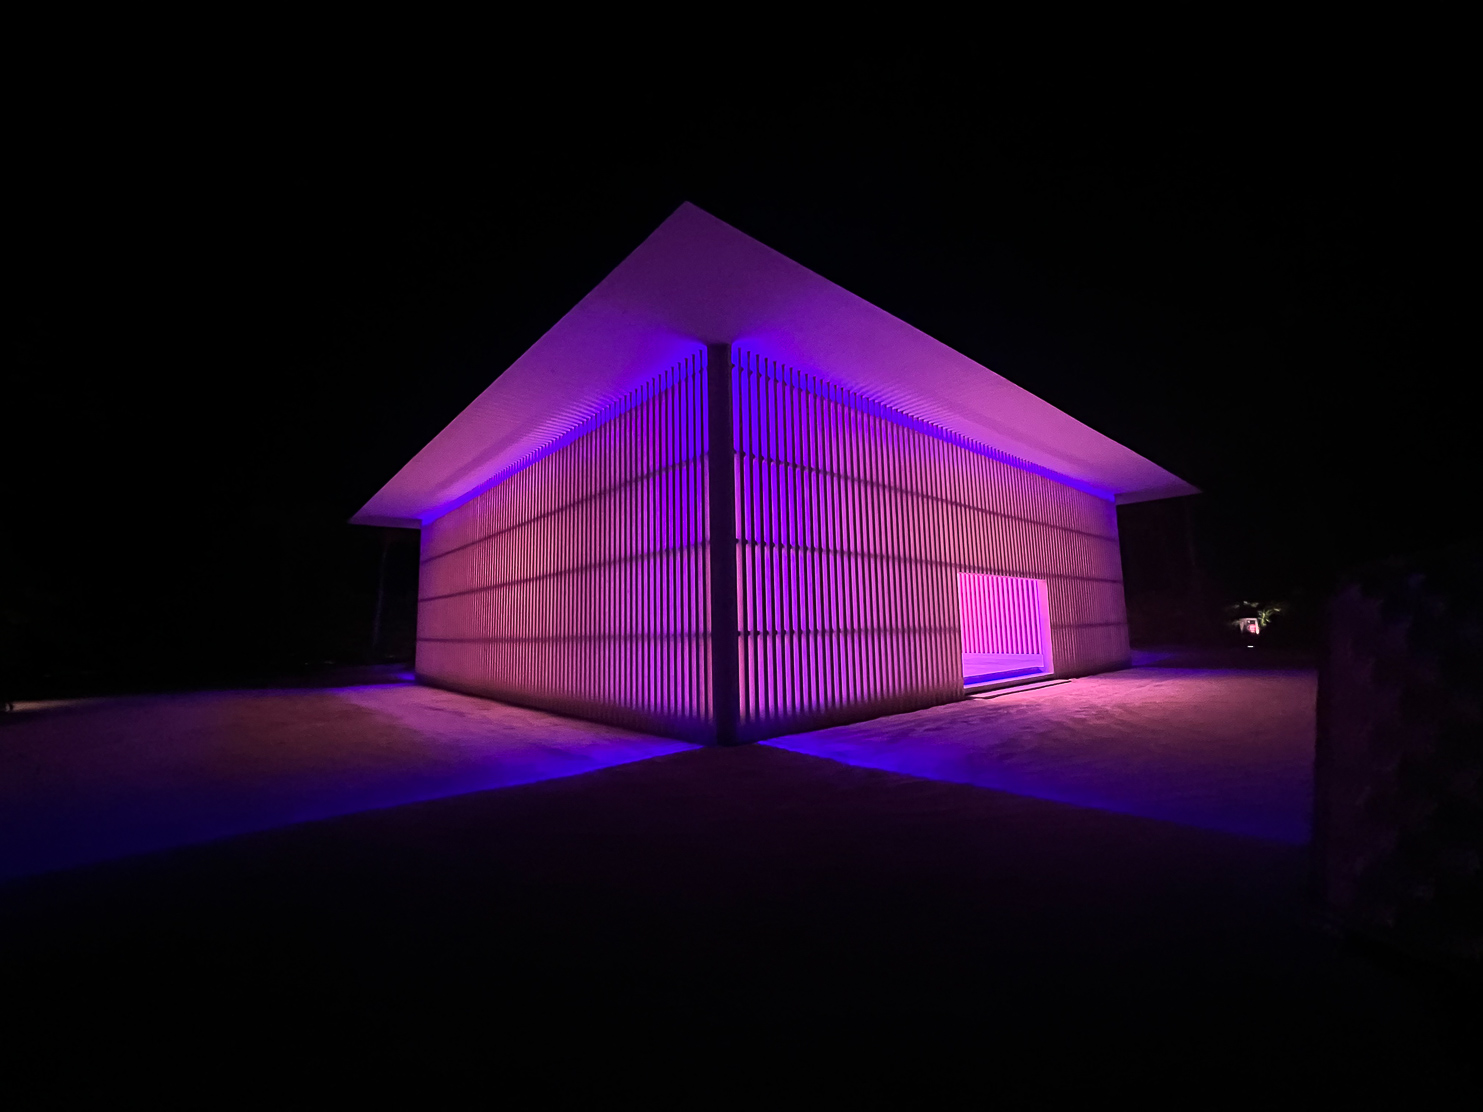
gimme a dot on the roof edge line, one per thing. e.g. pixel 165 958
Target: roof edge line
pixel 1154 494
pixel 386 521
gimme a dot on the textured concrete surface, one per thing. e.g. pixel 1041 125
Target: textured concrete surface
pixel 88 780
pixel 1217 747
pixel 706 921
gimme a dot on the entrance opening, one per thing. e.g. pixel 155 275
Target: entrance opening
pixel 1006 628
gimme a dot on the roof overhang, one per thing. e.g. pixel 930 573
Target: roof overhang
pixel 697 280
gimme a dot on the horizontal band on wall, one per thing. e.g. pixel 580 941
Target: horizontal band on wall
pixel 629 561
pixel 617 489
pixel 575 569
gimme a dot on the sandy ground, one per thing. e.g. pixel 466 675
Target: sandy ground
pixel 706 922
pixel 1222 748
pixel 89 780
pixel 85 781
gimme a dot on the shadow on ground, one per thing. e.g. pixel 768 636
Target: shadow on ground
pixel 94 779
pixel 733 918
pixel 1221 748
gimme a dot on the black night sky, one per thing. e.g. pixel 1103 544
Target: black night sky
pixel 237 311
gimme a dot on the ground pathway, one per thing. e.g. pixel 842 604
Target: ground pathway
pixel 85 781
pixel 1222 748
pixel 545 894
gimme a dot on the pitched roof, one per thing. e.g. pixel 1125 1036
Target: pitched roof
pixel 697 280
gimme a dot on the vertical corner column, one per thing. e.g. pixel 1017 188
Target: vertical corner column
pixel 725 688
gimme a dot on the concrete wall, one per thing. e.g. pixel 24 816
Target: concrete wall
pixel 579 583
pixel 853 524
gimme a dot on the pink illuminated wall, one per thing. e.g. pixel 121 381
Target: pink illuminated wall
pixel 1005 621
pixel 1001 614
pixel 579 582
pixel 853 524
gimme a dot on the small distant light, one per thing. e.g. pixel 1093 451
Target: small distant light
pixel 1251 646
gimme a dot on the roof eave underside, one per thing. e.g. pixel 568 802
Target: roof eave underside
pixel 698 280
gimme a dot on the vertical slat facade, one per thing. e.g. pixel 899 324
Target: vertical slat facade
pixel 579 583
pixel 853 523
pixel 999 614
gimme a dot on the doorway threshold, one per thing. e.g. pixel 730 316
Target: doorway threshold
pixel 1010 687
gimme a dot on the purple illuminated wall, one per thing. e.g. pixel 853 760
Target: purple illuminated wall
pixel 579 583
pixel 1001 614
pixel 1006 627
pixel 853 523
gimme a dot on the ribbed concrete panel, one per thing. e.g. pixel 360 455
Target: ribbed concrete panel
pixel 578 582
pixel 1000 614
pixel 853 522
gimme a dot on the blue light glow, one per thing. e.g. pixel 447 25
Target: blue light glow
pixel 1223 750
pixel 111 778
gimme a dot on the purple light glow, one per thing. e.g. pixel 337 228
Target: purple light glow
pixel 110 778
pixel 1230 751
pixel 580 583
pixel 606 413
pixel 853 531
pixel 1006 627
pixel 697 279
pixel 812 383
pixel 577 550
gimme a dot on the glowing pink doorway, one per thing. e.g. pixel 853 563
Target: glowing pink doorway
pixel 1006 628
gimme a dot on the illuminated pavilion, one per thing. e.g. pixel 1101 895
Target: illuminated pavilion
pixel 892 526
